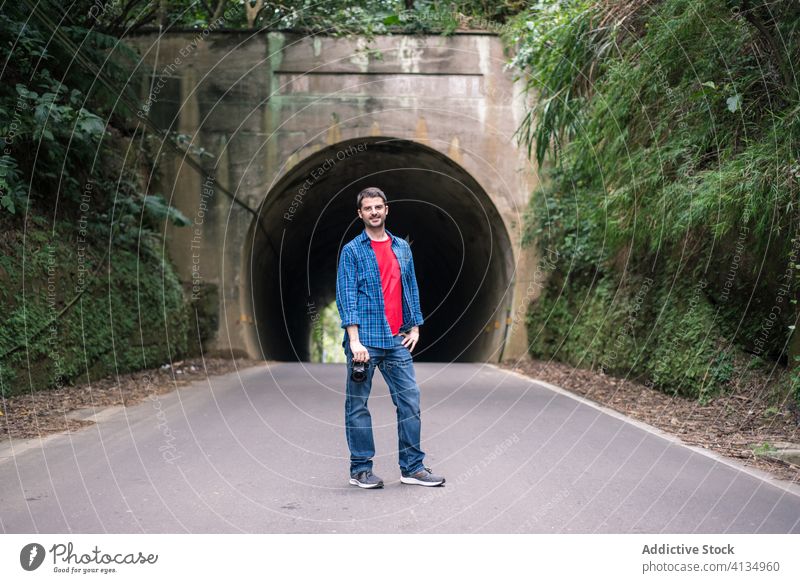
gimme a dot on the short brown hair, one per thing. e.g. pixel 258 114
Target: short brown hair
pixel 370 192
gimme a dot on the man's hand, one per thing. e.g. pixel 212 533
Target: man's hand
pixel 410 338
pixel 360 352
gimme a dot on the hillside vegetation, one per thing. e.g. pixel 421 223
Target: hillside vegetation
pixel 666 133
pixel 668 136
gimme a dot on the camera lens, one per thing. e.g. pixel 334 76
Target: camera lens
pixel 359 372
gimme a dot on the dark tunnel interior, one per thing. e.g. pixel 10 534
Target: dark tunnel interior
pixel 462 253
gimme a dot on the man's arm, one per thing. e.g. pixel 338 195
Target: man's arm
pixel 416 312
pixel 412 337
pixel 347 302
pixel 347 288
pixel 360 352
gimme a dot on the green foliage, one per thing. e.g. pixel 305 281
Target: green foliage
pixel 337 17
pixel 555 48
pixel 794 379
pixel 334 17
pixel 652 329
pixel 326 335
pixel 53 117
pixel 685 357
pixel 133 316
pixel 763 449
pixel 651 142
pixel 370 17
pixel 667 136
pixel 12 190
pixel 71 190
pixel 158 209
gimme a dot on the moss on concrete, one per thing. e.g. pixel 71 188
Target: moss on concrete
pixel 133 315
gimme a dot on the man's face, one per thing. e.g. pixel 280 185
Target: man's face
pixel 373 211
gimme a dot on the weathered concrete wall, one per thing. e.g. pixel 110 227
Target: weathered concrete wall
pixel 272 107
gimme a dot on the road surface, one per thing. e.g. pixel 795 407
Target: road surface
pixel 263 450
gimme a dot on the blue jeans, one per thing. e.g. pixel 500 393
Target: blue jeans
pixel 397 369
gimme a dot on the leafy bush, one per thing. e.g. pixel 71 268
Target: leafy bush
pixel 74 202
pixel 667 135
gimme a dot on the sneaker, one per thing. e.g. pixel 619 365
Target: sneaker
pixel 366 479
pixel 424 477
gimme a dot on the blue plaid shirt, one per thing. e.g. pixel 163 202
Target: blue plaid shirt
pixel 359 295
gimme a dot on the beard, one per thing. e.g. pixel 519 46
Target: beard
pixel 376 223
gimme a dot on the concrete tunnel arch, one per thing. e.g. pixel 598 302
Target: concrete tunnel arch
pixel 463 255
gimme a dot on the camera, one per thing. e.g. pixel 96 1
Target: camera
pixel 359 372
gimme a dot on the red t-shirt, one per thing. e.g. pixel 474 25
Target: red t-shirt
pixel 391 283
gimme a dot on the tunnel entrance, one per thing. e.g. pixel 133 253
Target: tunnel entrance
pixel 462 252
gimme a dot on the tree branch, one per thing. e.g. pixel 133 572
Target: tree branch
pixel 753 18
pixel 219 11
pixel 252 12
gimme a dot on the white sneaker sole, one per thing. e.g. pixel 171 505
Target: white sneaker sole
pixel 419 482
pixel 355 482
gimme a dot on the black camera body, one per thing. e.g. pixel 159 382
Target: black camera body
pixel 358 373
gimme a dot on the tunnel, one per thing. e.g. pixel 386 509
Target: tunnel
pixel 462 252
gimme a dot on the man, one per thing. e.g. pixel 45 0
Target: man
pixel 378 301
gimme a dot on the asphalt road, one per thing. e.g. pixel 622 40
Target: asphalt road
pixel 263 450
